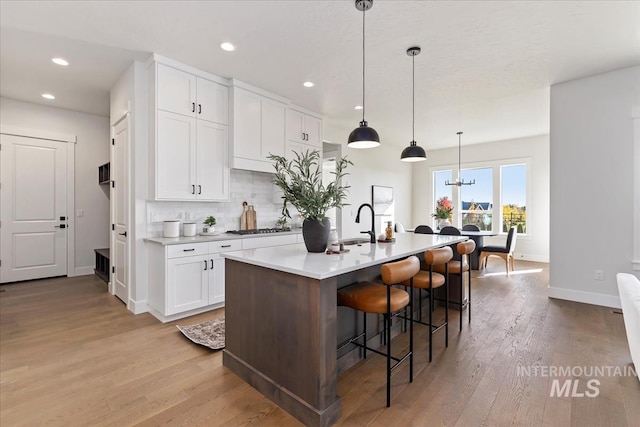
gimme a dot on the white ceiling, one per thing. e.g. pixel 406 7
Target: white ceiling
pixel 485 66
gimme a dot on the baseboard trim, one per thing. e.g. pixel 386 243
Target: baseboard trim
pixel 138 307
pixel 531 257
pixel 585 297
pixel 83 271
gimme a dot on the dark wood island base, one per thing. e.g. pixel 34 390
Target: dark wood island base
pixel 276 339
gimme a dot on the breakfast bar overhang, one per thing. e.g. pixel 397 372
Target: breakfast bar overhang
pixel 282 323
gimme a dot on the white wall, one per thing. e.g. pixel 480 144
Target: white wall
pixel 535 245
pixel 373 166
pixel 592 176
pixel 91 151
pixel 129 95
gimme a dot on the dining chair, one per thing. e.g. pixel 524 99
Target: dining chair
pixel 449 231
pixel 385 299
pixel 399 228
pixel 505 252
pixel 470 227
pixel 423 229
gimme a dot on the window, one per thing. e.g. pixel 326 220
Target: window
pixel 476 201
pixel 441 190
pixel 513 197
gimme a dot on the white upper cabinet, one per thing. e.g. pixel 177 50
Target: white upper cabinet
pixel 189 134
pixel 258 127
pixel 303 127
pixel 184 93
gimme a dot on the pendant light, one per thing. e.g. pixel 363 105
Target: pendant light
pixel 413 153
pixel 459 182
pixel 363 136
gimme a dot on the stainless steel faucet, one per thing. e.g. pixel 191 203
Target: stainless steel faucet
pixel 372 232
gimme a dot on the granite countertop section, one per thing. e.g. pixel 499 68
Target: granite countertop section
pixel 296 260
pixel 213 238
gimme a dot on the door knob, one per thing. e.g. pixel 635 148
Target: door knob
pixel 123 234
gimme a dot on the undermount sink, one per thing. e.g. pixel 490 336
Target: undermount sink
pixel 354 241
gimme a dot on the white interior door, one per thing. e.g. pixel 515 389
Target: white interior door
pixel 120 198
pixel 33 211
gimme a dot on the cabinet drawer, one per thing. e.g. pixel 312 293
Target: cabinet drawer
pixel 225 246
pixel 263 242
pixel 191 249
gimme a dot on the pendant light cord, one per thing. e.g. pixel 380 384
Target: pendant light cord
pixel 413 100
pixel 363 12
pixel 459 171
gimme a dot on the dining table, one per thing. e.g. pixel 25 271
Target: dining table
pixel 476 236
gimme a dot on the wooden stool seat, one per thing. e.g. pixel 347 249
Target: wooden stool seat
pixel 454 267
pixel 421 280
pixel 372 298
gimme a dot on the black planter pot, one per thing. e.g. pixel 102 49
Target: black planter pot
pixel 316 234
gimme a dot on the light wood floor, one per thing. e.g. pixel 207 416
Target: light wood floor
pixel 72 355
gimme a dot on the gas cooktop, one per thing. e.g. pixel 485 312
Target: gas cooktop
pixel 259 231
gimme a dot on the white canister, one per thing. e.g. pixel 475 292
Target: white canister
pixel 189 229
pixel 171 228
pixel 333 238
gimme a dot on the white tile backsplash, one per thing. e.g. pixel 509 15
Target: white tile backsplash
pixel 256 188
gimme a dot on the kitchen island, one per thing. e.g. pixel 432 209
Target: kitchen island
pixel 283 324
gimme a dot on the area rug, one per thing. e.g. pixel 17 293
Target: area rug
pixel 209 333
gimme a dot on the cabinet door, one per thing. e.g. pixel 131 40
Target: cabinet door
pixel 176 91
pixel 212 161
pixel 273 128
pixel 175 157
pixel 313 130
pixel 247 115
pixel 216 280
pixel 300 149
pixel 187 283
pixel 213 102
pixel 295 126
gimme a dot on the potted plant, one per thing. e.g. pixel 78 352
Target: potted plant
pixel 300 180
pixel 209 223
pixel 444 207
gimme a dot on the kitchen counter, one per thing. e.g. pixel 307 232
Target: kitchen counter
pixel 213 238
pixel 283 324
pixel 295 259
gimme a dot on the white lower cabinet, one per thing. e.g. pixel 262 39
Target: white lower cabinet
pixel 187 283
pixel 186 279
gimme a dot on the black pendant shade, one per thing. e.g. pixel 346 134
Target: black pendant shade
pixel 363 136
pixel 413 153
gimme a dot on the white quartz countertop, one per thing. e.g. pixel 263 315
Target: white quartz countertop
pixel 296 260
pixel 214 237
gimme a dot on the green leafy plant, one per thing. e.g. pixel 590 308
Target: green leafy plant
pixel 444 207
pixel 210 221
pixel 300 180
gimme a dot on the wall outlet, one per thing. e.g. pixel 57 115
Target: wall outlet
pixel 598 275
pixel 80 213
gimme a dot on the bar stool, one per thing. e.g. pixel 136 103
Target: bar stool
pixel 458 267
pixel 387 300
pixel 431 280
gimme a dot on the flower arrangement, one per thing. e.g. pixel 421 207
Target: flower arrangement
pixel 444 207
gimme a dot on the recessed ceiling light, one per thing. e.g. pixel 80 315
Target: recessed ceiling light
pixel 228 47
pixel 358 107
pixel 60 61
pixel 48 96
pixel 308 84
